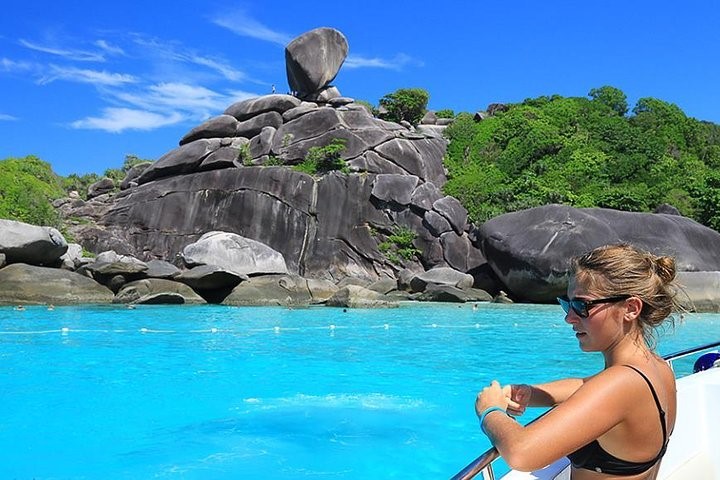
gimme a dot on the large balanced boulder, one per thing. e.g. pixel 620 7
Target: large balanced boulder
pixel 235 253
pixel 24 243
pixel 313 59
pixel 32 285
pixel 530 250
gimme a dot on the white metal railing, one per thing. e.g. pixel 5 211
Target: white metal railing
pixel 483 463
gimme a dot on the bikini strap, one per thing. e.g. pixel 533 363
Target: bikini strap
pixel 657 402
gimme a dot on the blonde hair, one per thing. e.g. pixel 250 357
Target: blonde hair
pixel 627 270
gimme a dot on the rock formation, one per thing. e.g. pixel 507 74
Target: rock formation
pixel 313 60
pixel 24 243
pixel 233 173
pixel 530 250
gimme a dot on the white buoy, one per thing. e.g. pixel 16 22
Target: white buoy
pixel 143 330
pixel 332 327
pixel 434 325
pixel 213 330
pixel 277 329
pixel 477 325
pixel 64 329
pixel 386 326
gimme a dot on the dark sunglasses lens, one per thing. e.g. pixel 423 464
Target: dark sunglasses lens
pixel 577 306
pixel 564 303
pixel 580 307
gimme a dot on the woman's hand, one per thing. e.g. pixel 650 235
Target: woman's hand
pixel 491 396
pixel 518 398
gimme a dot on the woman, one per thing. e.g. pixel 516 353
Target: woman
pixel 615 423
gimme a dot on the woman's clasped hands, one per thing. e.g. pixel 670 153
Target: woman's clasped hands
pixel 513 399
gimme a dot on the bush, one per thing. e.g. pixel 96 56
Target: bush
pixel 408 104
pixel 27 187
pixel 320 160
pixel 399 244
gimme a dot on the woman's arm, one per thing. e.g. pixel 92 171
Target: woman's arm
pixel 600 403
pixel 542 395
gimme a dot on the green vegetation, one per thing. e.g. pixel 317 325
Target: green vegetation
pixel 320 160
pixel 408 104
pixel 27 188
pixel 592 151
pixel 244 156
pixel 586 152
pixel 399 244
pixel 445 113
pixel 80 183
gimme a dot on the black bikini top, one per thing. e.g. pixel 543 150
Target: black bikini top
pixel 593 457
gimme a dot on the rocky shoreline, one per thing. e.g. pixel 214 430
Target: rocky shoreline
pixel 227 218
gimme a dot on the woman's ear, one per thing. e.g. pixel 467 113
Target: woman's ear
pixel 633 307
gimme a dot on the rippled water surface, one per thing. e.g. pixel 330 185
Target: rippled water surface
pixel 212 392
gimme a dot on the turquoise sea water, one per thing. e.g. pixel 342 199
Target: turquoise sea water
pixel 212 392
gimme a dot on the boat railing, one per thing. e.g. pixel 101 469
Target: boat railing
pixel 483 464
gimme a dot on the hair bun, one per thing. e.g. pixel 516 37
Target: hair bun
pixel 665 268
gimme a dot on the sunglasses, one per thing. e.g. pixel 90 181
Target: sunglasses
pixel 581 307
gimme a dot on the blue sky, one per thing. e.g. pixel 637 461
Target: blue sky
pixel 83 83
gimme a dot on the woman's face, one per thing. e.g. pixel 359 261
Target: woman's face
pixel 603 327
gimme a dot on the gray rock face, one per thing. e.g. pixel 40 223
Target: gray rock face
pixel 184 159
pixel 220 126
pixel 530 250
pixel 453 211
pixel 700 291
pixel 161 269
pixel 285 290
pixel 253 107
pixel 102 186
pixel 135 292
pixel 25 243
pixel 394 188
pixel 441 276
pixel 313 59
pixel 235 253
pixel 210 277
pixel 353 296
pixel 132 175
pixel 32 285
pixel 446 293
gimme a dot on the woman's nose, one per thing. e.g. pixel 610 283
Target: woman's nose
pixel 571 317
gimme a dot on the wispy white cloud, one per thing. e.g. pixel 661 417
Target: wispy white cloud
pixel 132 102
pixel 82 75
pixel 160 105
pixel 117 120
pixel 112 49
pixel 240 23
pixel 68 54
pixel 223 68
pixel 397 63
pixel 193 98
pixel 4 117
pixel 169 51
pixel 8 65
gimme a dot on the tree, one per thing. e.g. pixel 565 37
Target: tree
pixel 409 104
pixel 583 152
pixel 612 97
pixel 27 186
